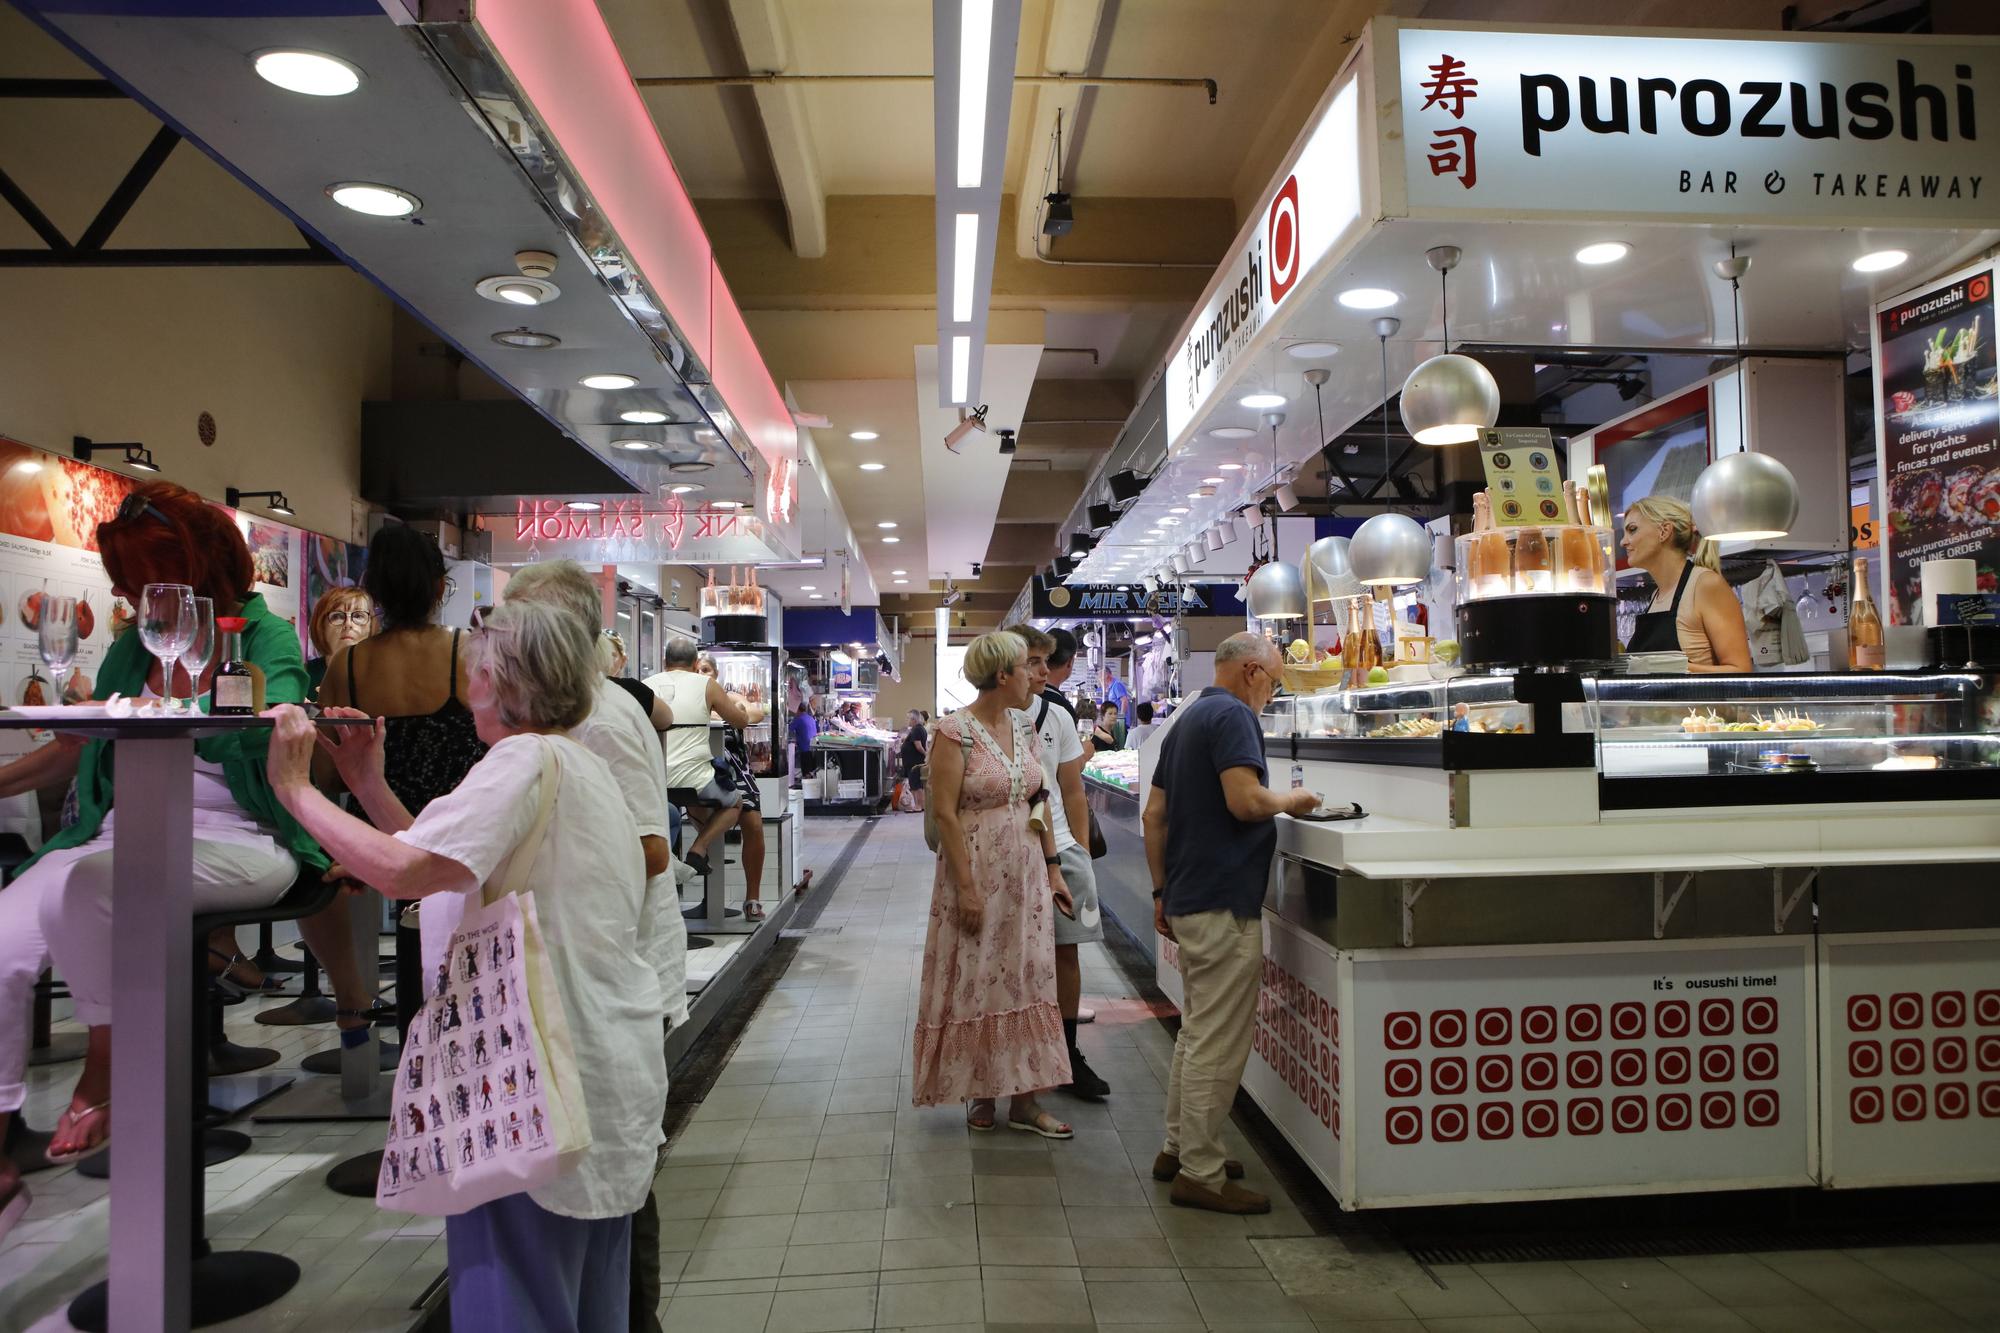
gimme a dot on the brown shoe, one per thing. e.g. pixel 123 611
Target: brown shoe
pixel 1231 1198
pixel 1167 1165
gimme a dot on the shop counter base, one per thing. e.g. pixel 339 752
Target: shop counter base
pixel 870 805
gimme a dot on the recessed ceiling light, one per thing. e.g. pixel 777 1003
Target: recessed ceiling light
pixel 632 444
pixel 1211 481
pixel 643 416
pixel 807 587
pixel 517 290
pixel 862 435
pixel 1880 260
pixel 890 541
pixel 1312 351
pixel 902 580
pixel 1368 298
pixel 1200 494
pixel 585 506
pixel 1230 432
pixel 307 72
pixel 873 467
pixel 1228 467
pixel 1170 522
pixel 725 504
pixel 530 340
pixel 683 488
pixel 1178 509
pixel 816 597
pixel 608 381
pixel 377 201
pixel 885 525
pixel 899 571
pixel 1604 252
pixel 1262 400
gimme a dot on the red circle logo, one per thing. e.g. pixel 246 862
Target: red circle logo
pixel 1584 1022
pixel 1448 1028
pixel 1495 1073
pixel 1906 1010
pixel 1538 1071
pixel 1284 239
pixel 1401 1031
pixel 1496 1120
pixel 1718 1064
pixel 1403 1078
pixel 1864 1106
pixel 1586 1116
pixel 1671 1065
pixel 1718 1018
pixel 1628 1021
pixel 1760 1015
pixel 1906 1101
pixel 1864 1059
pixel 1405 1125
pixel 1448 1076
pixel 1673 1111
pixel 1718 1110
pixel 1864 1013
pixel 1538 1118
pixel 1948 1055
pixel 1628 1115
pixel 1989 1054
pixel 1448 1123
pixel 1538 1024
pixel 1670 1018
pixel 1948 1009
pixel 1989 1100
pixel 1760 1062
pixel 1628 1067
pixel 1986 1008
pixel 1760 1108
pixel 1494 1027
pixel 1952 1101
pixel 1584 1069
pixel 1906 1056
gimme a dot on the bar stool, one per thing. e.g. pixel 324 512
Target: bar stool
pixel 231 1283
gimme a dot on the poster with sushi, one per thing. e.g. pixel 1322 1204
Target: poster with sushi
pixel 1937 423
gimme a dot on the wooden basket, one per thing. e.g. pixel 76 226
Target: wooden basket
pixel 1312 679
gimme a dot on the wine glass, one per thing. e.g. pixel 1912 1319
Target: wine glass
pixel 201 648
pixel 57 637
pixel 166 627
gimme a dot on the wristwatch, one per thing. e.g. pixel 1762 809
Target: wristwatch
pixel 1159 893
pixel 1052 860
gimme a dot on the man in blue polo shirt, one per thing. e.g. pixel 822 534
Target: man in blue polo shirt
pixel 1209 841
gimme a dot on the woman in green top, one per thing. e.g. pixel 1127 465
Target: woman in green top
pixel 247 849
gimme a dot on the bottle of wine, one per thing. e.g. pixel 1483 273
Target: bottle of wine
pixel 1864 624
pixel 238 687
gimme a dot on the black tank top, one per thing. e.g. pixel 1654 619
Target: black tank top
pixel 427 755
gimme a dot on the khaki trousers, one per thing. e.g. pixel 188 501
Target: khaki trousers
pixel 1222 964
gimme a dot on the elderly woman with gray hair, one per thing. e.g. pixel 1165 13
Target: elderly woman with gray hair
pixel 558 1256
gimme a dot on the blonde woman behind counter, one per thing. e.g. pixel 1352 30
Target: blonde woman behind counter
pixel 1693 609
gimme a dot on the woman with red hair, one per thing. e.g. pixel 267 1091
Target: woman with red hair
pixel 247 849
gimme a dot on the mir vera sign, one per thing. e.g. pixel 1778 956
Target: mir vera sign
pixel 1827 130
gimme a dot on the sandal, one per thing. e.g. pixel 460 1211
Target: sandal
pixel 753 910
pixel 71 1118
pixel 973 1119
pixel 1043 1124
pixel 268 986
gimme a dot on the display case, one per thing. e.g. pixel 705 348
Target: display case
pixel 1462 722
pixel 1781 739
pixel 752 671
pixel 1536 595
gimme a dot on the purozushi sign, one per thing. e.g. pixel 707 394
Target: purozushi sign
pixel 1819 129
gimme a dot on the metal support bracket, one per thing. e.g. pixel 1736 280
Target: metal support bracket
pixel 1664 903
pixel 1782 906
pixel 1413 889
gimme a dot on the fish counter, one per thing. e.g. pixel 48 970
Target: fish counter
pixel 1611 935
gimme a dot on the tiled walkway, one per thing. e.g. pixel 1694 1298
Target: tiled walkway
pixel 806 1194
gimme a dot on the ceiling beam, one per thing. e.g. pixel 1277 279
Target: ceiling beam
pixel 1067 42
pixel 761 30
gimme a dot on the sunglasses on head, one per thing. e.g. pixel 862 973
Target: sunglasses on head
pixel 136 505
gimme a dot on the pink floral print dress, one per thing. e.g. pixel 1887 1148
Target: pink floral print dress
pixel 987 1022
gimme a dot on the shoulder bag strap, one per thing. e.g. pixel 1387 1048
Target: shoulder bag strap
pixel 522 859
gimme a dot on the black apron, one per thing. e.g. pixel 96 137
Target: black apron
pixel 1655 631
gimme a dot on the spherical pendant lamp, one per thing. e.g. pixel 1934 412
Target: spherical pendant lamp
pixel 1745 497
pixel 1448 399
pixel 1329 574
pixel 1275 592
pixel 1390 550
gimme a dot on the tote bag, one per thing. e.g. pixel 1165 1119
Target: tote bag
pixel 488 1100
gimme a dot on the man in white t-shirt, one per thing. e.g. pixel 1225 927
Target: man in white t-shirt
pixel 1062 769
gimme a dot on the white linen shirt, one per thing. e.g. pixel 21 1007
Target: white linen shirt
pixel 619 732
pixel 589 883
pixel 1059 745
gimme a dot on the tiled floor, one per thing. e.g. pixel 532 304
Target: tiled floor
pixel 805 1194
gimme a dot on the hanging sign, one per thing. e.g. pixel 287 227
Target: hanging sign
pixel 1112 601
pixel 1520 464
pixel 1317 200
pixel 1937 433
pixel 633 530
pixel 1829 129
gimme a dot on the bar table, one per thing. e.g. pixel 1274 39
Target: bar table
pixel 153 1269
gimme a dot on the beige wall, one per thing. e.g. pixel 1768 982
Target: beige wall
pixel 917 688
pixel 281 357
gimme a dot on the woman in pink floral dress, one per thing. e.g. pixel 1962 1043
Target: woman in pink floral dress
pixel 987 1021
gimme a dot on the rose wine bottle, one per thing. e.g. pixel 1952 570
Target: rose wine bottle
pixel 1864 624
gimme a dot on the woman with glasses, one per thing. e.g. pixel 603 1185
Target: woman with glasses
pixel 247 850
pixel 341 618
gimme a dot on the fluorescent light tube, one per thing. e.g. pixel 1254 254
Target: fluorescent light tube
pixel 964 263
pixel 975 59
pixel 961 368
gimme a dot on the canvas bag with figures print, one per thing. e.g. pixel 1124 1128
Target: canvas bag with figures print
pixel 488 1100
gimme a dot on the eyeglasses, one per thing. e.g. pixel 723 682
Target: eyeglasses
pixel 351 617
pixel 136 505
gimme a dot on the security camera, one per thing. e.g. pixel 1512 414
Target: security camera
pixel 975 569
pixel 967 424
